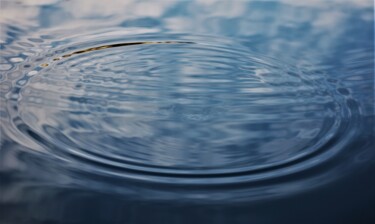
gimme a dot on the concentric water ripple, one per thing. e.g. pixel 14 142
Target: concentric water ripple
pixel 181 112
pixel 182 109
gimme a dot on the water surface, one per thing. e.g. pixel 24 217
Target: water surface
pixel 187 111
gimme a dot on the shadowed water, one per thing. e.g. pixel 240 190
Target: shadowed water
pixel 187 112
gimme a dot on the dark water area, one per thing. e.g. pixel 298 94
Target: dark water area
pixel 203 111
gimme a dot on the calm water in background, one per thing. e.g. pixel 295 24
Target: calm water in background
pixel 187 112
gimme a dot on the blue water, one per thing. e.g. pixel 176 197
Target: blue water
pixel 187 112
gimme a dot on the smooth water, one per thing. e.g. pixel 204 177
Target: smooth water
pixel 187 112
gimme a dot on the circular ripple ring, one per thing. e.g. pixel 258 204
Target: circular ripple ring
pixel 177 111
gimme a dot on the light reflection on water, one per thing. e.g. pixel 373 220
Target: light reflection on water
pixel 187 111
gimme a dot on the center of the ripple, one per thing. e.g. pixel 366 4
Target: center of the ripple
pixel 178 107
